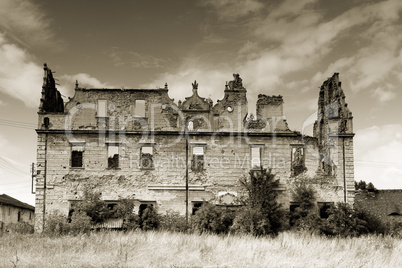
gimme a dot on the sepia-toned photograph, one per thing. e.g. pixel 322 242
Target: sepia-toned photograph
pixel 201 133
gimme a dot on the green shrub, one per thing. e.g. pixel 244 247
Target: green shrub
pixel 20 228
pixel 149 219
pixel 374 225
pixel 131 223
pixel 172 221
pixel 251 221
pixel 210 218
pixel 80 223
pixel 93 206
pixel 55 225
pixel 344 221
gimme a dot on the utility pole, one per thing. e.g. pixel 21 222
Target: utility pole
pixel 186 134
pixel 33 178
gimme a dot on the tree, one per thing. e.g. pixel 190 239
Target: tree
pixel 261 200
pixel 304 217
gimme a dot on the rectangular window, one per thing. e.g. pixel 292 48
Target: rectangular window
pixel 76 159
pixel 147 161
pixel 324 209
pixel 102 104
pixel 113 156
pixel 256 157
pixel 298 162
pixel 196 206
pixel 139 108
pixel 197 164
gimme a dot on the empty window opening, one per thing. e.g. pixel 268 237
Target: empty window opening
pixel 256 157
pixel 298 161
pixel 113 157
pixel 19 216
pixel 76 159
pixel 102 108
pixel 143 207
pixel 139 108
pixel 293 215
pixel 196 206
pixel 293 207
pixel 190 125
pixel 197 164
pixel 147 161
pixel 324 209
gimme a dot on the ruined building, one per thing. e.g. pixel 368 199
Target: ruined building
pixel 133 143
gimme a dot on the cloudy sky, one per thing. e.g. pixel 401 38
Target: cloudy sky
pixel 279 47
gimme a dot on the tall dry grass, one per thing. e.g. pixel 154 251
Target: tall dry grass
pixel 163 249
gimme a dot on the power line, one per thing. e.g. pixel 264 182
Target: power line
pixel 17 124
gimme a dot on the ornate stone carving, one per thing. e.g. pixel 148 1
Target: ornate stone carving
pixel 237 83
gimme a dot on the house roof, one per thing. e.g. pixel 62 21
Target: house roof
pixel 380 202
pixel 8 200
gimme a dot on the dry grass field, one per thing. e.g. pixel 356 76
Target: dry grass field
pixel 163 249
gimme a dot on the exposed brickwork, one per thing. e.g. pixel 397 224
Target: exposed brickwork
pixel 95 119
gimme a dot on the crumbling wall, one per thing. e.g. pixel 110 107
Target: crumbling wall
pixel 97 119
pixel 51 100
pixel 334 130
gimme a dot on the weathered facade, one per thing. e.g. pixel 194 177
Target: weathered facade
pixel 14 211
pixel 131 143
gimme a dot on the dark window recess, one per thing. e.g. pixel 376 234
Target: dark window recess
pixel 19 216
pixel 197 164
pixel 70 214
pixel 76 159
pixel 293 208
pixel 196 206
pixel 142 208
pixel 324 210
pixel 113 162
pixel 111 206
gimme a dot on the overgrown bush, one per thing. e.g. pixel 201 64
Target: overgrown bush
pixel 20 228
pixel 251 221
pixel 374 225
pixel 93 206
pixel 131 222
pixel 172 221
pixel 344 221
pixel 305 216
pixel 210 218
pixel 80 223
pixel 149 219
pixel 55 225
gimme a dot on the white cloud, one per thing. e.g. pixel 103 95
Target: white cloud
pixel 84 81
pixel 377 156
pixel 136 60
pixel 231 10
pixel 383 95
pixel 24 22
pixel 20 77
pixel 211 80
